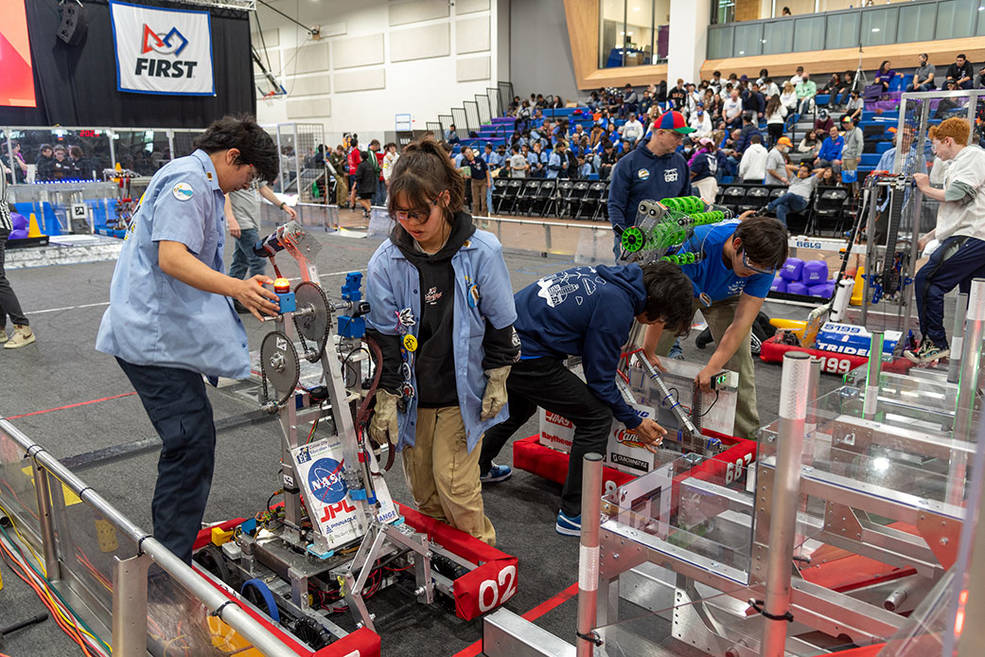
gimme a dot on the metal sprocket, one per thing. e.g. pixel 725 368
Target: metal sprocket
pixel 279 364
pixel 317 326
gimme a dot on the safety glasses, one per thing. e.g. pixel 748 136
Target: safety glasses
pixel 758 270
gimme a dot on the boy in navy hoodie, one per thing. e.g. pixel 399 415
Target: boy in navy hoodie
pixel 587 312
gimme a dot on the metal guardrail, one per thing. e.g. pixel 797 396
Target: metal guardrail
pixel 129 613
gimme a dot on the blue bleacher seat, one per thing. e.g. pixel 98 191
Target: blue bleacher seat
pixel 883 146
pixel 869 160
pixel 821 100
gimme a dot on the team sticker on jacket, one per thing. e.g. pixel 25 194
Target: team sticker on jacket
pixel 182 191
pixel 670 175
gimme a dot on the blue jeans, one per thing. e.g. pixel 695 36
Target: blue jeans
pixel 180 411
pixel 787 203
pixel 922 87
pixel 955 262
pixel 246 263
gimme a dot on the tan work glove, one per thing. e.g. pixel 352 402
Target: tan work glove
pixel 384 418
pixel 494 398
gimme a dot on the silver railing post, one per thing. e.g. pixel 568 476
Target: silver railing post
pixel 43 492
pixel 970 361
pixel 588 554
pixel 957 338
pixel 130 606
pixel 547 237
pixel 872 372
pixel 794 386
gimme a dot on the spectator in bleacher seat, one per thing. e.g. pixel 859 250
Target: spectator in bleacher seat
pixel 693 98
pixel 490 157
pixel 961 73
pixel 750 128
pixel 854 143
pixel 537 159
pixel 609 159
pixel 960 229
pixel 701 122
pixel 732 110
pixel 923 76
pixel 678 95
pixel 785 11
pixel 806 91
pixel 789 97
pixel 716 81
pixel 776 116
pixel 764 75
pixel 584 168
pixel 823 122
pixel 654 170
pixel 596 136
pixel 630 100
pixel 830 153
pixel 980 80
pixel 632 129
pixel 711 102
pixel 556 102
pixel 810 145
pixel 769 88
pixel 704 169
pixel 832 86
pixel 569 161
pixel 884 76
pixel 777 166
pixel 798 194
pixel 840 97
pixel 754 101
pixel 518 164
pixel 855 105
pixel 911 162
pixel 797 77
pixel 752 166
pixel 556 163
pixel 451 135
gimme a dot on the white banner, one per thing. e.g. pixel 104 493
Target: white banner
pixel 162 51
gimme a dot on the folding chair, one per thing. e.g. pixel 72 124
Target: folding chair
pixel 531 188
pixel 577 200
pixel 733 197
pixel 561 194
pixel 508 201
pixel 539 203
pixel 829 204
pixel 755 198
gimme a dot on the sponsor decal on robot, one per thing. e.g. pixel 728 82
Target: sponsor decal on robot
pixel 326 482
pixel 554 418
pixel 807 244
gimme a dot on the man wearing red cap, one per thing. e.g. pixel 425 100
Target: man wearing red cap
pixel 653 171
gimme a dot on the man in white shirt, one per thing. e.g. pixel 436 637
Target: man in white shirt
pixel 960 231
pixel 797 77
pixel 732 110
pixel 752 167
pixel 701 122
pixel 632 129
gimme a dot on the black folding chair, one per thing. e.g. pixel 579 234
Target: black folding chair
pixel 561 194
pixel 829 210
pixel 540 202
pixel 509 199
pixel 530 190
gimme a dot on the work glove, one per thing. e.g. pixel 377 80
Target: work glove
pixel 494 397
pixel 384 419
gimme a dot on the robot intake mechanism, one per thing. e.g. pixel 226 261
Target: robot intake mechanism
pixel 663 225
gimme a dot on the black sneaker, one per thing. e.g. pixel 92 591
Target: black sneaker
pixel 927 352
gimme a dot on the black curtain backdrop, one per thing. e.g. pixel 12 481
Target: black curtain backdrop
pixel 76 85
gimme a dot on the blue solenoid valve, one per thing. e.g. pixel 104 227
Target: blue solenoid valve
pixel 353 325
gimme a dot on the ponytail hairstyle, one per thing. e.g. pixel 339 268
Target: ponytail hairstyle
pixel 422 173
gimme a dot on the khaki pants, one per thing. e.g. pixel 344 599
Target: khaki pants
pixel 719 316
pixel 341 191
pixel 479 206
pixel 444 476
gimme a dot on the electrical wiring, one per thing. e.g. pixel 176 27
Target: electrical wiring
pixel 26 543
pixel 55 611
pixel 63 614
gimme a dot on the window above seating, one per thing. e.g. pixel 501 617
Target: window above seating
pixel 633 32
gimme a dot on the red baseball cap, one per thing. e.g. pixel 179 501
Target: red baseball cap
pixel 672 120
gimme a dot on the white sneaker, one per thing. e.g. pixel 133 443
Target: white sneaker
pixel 23 336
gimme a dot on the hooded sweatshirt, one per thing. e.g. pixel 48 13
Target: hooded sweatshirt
pixel 434 358
pixel 587 312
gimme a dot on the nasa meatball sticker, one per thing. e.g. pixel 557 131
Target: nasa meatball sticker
pixel 182 191
pixel 643 174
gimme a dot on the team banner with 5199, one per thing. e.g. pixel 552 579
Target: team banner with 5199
pixel 162 51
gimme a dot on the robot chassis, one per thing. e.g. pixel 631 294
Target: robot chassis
pixel 297 562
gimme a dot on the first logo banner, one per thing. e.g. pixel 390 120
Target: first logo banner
pixel 162 51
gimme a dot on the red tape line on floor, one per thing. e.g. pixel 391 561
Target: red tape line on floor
pixel 62 408
pixel 532 615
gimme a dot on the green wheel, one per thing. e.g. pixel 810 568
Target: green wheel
pixel 632 239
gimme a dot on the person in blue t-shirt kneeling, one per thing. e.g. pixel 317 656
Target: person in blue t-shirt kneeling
pixel 587 312
pixel 730 283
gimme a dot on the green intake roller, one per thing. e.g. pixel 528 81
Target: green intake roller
pixel 632 239
pixel 686 204
pixel 686 258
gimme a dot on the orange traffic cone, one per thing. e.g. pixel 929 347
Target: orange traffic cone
pixel 33 230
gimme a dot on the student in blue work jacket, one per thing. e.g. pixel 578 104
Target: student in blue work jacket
pixel 171 319
pixel 731 281
pixel 442 313
pixel 653 171
pixel 587 312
